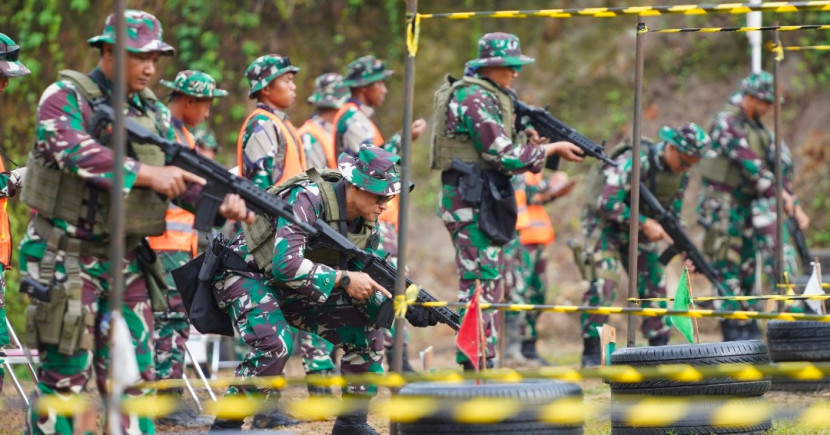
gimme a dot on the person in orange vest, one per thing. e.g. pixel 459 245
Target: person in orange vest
pixel 353 129
pixel 316 133
pixel 10 183
pixel 526 261
pixel 190 101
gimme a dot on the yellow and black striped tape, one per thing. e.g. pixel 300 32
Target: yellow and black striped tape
pixel 740 298
pixel 691 9
pixel 804 48
pixel 738 29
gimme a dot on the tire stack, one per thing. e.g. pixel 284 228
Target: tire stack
pixel 799 341
pixel 529 395
pixel 707 395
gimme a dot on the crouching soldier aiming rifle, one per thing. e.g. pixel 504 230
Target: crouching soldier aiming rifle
pixel 286 275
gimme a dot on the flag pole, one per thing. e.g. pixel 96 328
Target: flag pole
pixel 818 276
pixel 692 304
pixel 482 346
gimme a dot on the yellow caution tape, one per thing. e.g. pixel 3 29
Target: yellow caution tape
pixel 413 32
pixel 741 29
pixel 793 297
pixel 807 47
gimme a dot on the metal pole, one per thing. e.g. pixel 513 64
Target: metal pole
pixel 634 227
pixel 119 98
pixel 753 19
pixel 779 176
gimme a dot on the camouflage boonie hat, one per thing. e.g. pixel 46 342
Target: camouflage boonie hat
pixel 689 139
pixel 266 68
pixel 374 170
pixel 760 86
pixel 499 49
pixel 10 66
pixel 143 33
pixel 328 92
pixel 204 137
pixel 365 71
pixel 196 84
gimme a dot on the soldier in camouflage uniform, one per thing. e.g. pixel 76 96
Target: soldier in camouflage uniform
pixel 283 286
pixel 10 183
pixel 206 143
pixel 66 245
pixel 190 101
pixel 474 124
pixel 606 226
pixel 737 203
pixel 353 129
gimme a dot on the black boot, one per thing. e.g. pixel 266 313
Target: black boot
pixel 353 423
pixel 272 419
pixel 591 356
pixel 405 367
pixel 184 417
pixel 731 330
pixel 319 390
pixel 529 352
pixel 223 425
pixel 660 340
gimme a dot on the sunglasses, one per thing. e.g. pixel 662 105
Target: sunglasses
pixel 381 200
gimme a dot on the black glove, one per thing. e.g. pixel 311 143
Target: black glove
pixel 420 317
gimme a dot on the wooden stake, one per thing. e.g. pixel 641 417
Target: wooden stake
pixel 692 304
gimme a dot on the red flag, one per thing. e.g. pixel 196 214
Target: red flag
pixel 468 339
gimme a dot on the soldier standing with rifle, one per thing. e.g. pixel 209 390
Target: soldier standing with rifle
pixel 605 222
pixel 66 247
pixel 477 148
pixel 190 101
pixel 11 182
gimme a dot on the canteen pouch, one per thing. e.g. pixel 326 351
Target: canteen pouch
pixel 153 272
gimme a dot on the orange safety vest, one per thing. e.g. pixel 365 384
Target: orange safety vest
pixel 179 234
pixel 391 213
pixel 533 222
pixel 322 136
pixel 294 153
pixel 5 230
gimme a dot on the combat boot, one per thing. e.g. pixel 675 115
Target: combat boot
pixel 731 330
pixel 529 352
pixel 355 422
pixel 319 390
pixel 660 340
pixel 591 352
pixel 512 350
pixel 390 358
pixel 224 425
pixel 184 417
pixel 271 417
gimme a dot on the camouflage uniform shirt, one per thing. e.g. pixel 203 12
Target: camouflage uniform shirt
pixel 263 148
pixel 355 129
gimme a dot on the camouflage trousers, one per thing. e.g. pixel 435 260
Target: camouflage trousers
pixel 4 330
pixel 609 260
pixel 735 232
pixel 525 283
pixel 262 316
pixel 172 327
pixel 68 374
pixel 477 259
pixel 316 353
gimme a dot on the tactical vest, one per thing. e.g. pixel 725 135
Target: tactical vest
pixel 447 145
pixel 664 184
pixel 324 137
pixel 5 231
pixel 728 172
pixel 260 236
pixel 294 153
pixel 57 194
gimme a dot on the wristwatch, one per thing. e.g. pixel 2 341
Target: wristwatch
pixel 344 279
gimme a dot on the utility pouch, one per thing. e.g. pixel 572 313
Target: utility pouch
pixel 48 317
pixel 73 327
pixel 153 272
pixel 32 341
pixel 470 183
pixel 497 218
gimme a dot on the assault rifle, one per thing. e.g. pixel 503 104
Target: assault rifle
pixel 220 182
pixel 800 244
pixel 682 243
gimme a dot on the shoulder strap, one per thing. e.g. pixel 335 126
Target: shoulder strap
pixel 89 89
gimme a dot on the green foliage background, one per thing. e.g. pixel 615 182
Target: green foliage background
pixel 584 67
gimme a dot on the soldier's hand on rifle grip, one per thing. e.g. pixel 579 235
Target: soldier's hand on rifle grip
pixel 419 126
pixel 802 218
pixel 566 150
pixel 534 138
pixel 690 264
pixel 170 181
pixel 654 231
pixel 362 286
pixel 789 203
pixel 233 207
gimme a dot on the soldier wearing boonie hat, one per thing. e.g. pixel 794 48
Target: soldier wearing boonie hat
pixel 79 226
pixel 268 149
pixel 738 197
pixel 665 167
pixel 316 133
pixel 10 183
pixel 474 124
pixel 190 100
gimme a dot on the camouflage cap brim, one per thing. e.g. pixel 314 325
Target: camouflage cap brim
pixel 368 80
pixel 214 93
pixel 500 61
pixel 13 69
pixel 374 170
pixel 153 47
pixel 264 82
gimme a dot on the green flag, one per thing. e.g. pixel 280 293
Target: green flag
pixel 682 301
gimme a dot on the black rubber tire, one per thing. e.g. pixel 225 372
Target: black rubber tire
pixel 798 341
pixel 752 351
pixel 531 393
pixel 799 386
pixel 698 421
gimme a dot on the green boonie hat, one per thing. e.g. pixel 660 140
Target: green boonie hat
pixel 204 137
pixel 266 68
pixel 10 66
pixel 143 34
pixel 365 71
pixel 328 92
pixel 499 49
pixel 374 170
pixel 196 84
pixel 689 139
pixel 759 85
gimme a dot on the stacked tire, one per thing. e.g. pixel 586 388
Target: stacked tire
pixel 528 397
pixel 799 341
pixel 707 395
